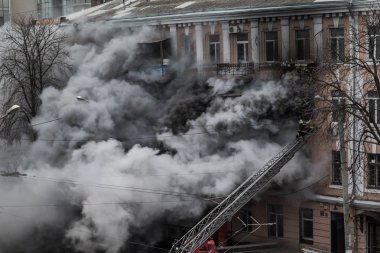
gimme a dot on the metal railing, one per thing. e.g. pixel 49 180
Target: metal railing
pixel 234 69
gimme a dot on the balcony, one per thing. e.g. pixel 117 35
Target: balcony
pixel 234 69
pixel 299 66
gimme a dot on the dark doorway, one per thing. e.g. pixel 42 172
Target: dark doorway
pixel 373 235
pixel 337 233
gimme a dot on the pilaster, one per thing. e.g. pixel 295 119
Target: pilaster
pixel 173 36
pixel 318 42
pixel 255 43
pixel 199 45
pixel 285 38
pixel 226 42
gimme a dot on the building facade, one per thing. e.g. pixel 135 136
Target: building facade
pixel 265 38
pixel 57 8
pixel 40 9
pixel 13 8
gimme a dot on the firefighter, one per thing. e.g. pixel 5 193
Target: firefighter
pixel 304 128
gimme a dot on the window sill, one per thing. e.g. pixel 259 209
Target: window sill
pixel 372 190
pixel 276 238
pixel 270 64
pixel 335 186
pixel 306 241
pixel 344 64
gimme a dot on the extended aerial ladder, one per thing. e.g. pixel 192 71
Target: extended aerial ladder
pixel 224 211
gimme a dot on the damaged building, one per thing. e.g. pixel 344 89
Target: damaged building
pixel 244 38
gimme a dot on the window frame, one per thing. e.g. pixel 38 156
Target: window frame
pixel 244 43
pixel 278 213
pixel 337 99
pixel 305 45
pixel 339 50
pixel 376 165
pixel 214 46
pixel 373 104
pixel 187 44
pixel 245 215
pixel 302 220
pixel 374 45
pixel 274 43
pixel 336 172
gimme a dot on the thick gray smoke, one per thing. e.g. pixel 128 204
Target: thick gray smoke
pixel 141 148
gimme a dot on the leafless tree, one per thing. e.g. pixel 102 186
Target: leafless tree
pixel 32 57
pixel 347 85
pixel 348 80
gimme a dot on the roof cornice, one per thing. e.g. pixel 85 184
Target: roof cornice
pixel 241 13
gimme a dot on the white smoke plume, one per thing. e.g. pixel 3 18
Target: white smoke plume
pixel 139 149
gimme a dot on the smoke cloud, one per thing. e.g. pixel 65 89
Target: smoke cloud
pixel 140 148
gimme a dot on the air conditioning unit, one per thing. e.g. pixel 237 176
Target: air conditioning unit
pixel 234 29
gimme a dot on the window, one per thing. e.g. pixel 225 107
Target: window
pixel 337 44
pixel 374 170
pixel 306 225
pixel 187 44
pixel 245 215
pixel 336 177
pixel 214 48
pixel 373 107
pixel 303 45
pixel 271 46
pixel 337 100
pixel 374 42
pixel 242 47
pixel 275 215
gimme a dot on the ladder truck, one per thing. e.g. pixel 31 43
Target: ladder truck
pixel 198 236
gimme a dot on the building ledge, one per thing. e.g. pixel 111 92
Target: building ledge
pixel 339 200
pixel 248 247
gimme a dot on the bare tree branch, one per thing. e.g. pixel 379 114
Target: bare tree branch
pixel 32 56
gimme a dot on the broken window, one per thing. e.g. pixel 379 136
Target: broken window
pixel 303 45
pixel 374 42
pixel 373 107
pixel 374 170
pixel 336 176
pixel 271 46
pixel 306 225
pixel 214 48
pixel 242 47
pixel 276 216
pixel 337 44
